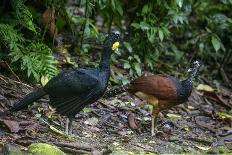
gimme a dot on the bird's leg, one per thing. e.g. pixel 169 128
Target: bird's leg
pixel 70 127
pixel 67 125
pixel 155 111
pixel 154 116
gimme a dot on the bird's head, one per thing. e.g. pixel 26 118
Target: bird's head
pixel 192 71
pixel 112 41
pixel 195 66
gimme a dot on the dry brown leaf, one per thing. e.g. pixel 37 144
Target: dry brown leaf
pixel 48 19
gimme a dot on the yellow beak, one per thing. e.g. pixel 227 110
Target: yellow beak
pixel 115 46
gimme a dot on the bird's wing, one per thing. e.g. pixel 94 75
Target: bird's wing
pixel 71 105
pixel 73 82
pixel 70 91
pixel 160 86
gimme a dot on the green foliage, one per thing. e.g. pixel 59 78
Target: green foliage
pixel 33 56
pixel 22 14
pixel 173 32
pixel 37 60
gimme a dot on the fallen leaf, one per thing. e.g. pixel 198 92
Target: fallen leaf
pixel 131 121
pixel 203 87
pixel 223 115
pixel 115 143
pixel 44 80
pixel 58 131
pixel 92 121
pixel 13 126
pixel 48 19
pixel 151 142
pixel 16 126
pixel 86 110
pixel 173 116
pixel 205 148
pixel 190 107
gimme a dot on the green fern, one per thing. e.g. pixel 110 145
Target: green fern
pixel 39 61
pixel 13 40
pixel 22 14
pixel 36 58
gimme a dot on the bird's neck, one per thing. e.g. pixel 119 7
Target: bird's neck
pixel 185 90
pixel 186 85
pixel 192 74
pixel 105 59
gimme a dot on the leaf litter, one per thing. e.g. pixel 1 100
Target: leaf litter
pixel 195 127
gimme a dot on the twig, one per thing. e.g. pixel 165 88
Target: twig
pixel 15 81
pixel 197 139
pixel 73 151
pixel 78 146
pixel 12 71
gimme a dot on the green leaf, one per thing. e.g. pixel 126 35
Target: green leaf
pixel 113 4
pixel 179 3
pixel 144 26
pixel 128 46
pixel 215 42
pixel 137 68
pixel 119 7
pixel 161 35
pixel 126 65
pixel 135 25
pixel 86 110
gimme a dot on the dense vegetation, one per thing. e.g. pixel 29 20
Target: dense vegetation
pixel 154 32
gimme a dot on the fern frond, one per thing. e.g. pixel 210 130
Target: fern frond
pixel 23 14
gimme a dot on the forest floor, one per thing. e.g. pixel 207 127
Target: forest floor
pixel 202 125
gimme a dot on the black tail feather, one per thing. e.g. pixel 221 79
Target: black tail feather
pixel 116 90
pixel 28 99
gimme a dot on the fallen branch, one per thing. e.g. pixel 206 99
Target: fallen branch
pixel 77 147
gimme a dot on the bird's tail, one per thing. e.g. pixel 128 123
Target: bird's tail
pixel 116 90
pixel 27 100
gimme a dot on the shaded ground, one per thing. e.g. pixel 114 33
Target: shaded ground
pixel 201 125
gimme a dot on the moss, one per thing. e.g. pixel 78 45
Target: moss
pixel 44 149
pixel 176 148
pixel 222 149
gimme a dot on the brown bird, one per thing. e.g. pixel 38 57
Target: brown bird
pixel 161 91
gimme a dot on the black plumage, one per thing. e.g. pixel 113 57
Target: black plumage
pixel 70 91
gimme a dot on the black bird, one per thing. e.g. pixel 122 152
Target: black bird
pixel 161 91
pixel 70 91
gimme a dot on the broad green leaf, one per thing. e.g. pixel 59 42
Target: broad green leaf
pixel 113 4
pixel 119 7
pixel 161 35
pixel 215 42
